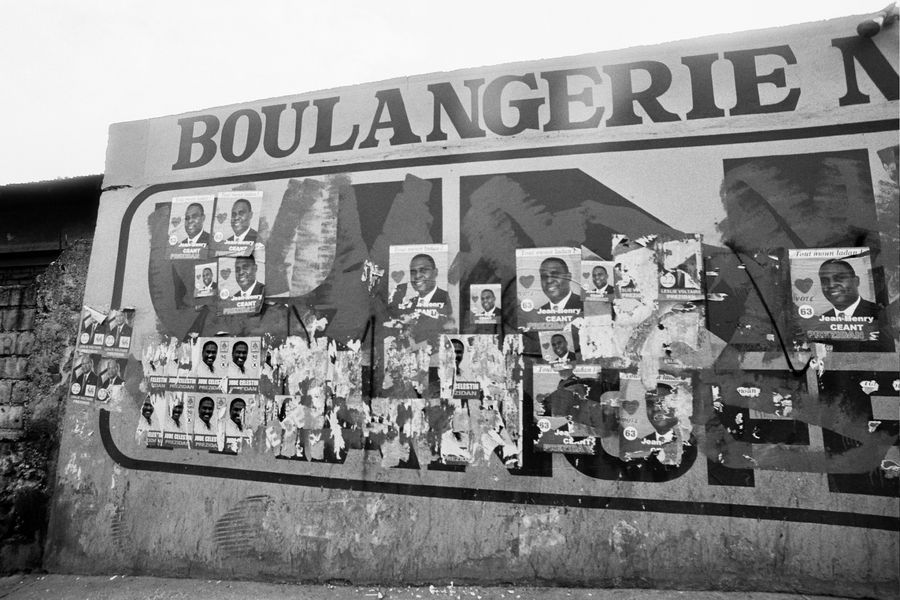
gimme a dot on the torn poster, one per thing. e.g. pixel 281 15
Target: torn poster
pixel 235 229
pixel 655 423
pixel 567 411
pixel 680 268
pixel 241 285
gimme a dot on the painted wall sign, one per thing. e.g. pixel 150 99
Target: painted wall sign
pixel 583 283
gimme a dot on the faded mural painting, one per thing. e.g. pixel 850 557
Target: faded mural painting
pixel 543 306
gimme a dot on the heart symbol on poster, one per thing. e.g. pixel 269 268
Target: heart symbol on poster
pixel 545 345
pixel 396 276
pixel 526 280
pixel 220 217
pixel 176 221
pixel 225 273
pixel 804 285
pixel 630 406
pixel 474 299
pixel 585 275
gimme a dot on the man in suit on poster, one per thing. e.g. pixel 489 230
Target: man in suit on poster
pixel 556 283
pixel 423 280
pixel 194 218
pixel 840 286
pixel 245 275
pixel 241 216
pixel 488 305
pixel 600 279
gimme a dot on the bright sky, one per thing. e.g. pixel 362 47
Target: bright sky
pixel 71 68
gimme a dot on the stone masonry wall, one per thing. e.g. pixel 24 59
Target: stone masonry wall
pixel 39 310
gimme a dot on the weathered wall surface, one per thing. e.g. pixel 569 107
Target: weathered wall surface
pixel 361 335
pixel 39 325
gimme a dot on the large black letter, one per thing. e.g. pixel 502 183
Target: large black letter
pixel 324 123
pixel 559 99
pixel 189 138
pixel 254 132
pixel 702 92
pixel 866 53
pixel 445 97
pixel 526 107
pixel 624 96
pixel 273 122
pixel 399 121
pixel 747 80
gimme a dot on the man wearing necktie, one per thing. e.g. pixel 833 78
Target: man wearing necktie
pixel 556 284
pixel 840 286
pixel 245 275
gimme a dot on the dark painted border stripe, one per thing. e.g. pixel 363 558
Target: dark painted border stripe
pixel 709 509
pixel 771 135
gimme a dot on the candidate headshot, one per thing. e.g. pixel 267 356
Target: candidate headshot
pixel 556 283
pixel 208 355
pixel 239 355
pixel 459 352
pixel 560 346
pixel 245 274
pixel 207 278
pixel 840 286
pixel 661 413
pixel 600 279
pixel 194 219
pixel 488 303
pixel 241 217
pixel 236 412
pixel 147 410
pixel 205 410
pixel 177 411
pixel 423 278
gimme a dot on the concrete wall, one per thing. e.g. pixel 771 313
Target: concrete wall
pixel 355 453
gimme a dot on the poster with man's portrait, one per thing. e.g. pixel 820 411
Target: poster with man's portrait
pixel 235 229
pixel 177 422
pixel 456 367
pixel 597 280
pixel 210 363
pixel 91 330
pixel 547 287
pixel 557 349
pixel 117 330
pixel 206 410
pixel 190 224
pixel 206 280
pixel 834 298
pixel 244 362
pixel 417 288
pixel 149 427
pixel 567 411
pixel 85 377
pixel 680 264
pixel 111 377
pixel 242 286
pixel 655 423
pixel 484 303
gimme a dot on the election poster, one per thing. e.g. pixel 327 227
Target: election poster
pixel 241 285
pixel 567 411
pixel 485 303
pixel 190 225
pixel 244 363
pixel 834 297
pixel 211 363
pixel 116 331
pixel 680 264
pixel 206 280
pixel 205 427
pixel 85 379
pixel 112 372
pixel 91 332
pixel 177 423
pixel 557 348
pixel 417 288
pixel 655 423
pixel 235 228
pixel 547 287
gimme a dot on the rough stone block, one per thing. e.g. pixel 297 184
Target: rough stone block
pixel 7 343
pixel 29 296
pixel 9 319
pixel 25 319
pixel 5 391
pixel 24 343
pixel 21 367
pixel 4 296
pixel 18 395
pixel 15 296
pixel 12 417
